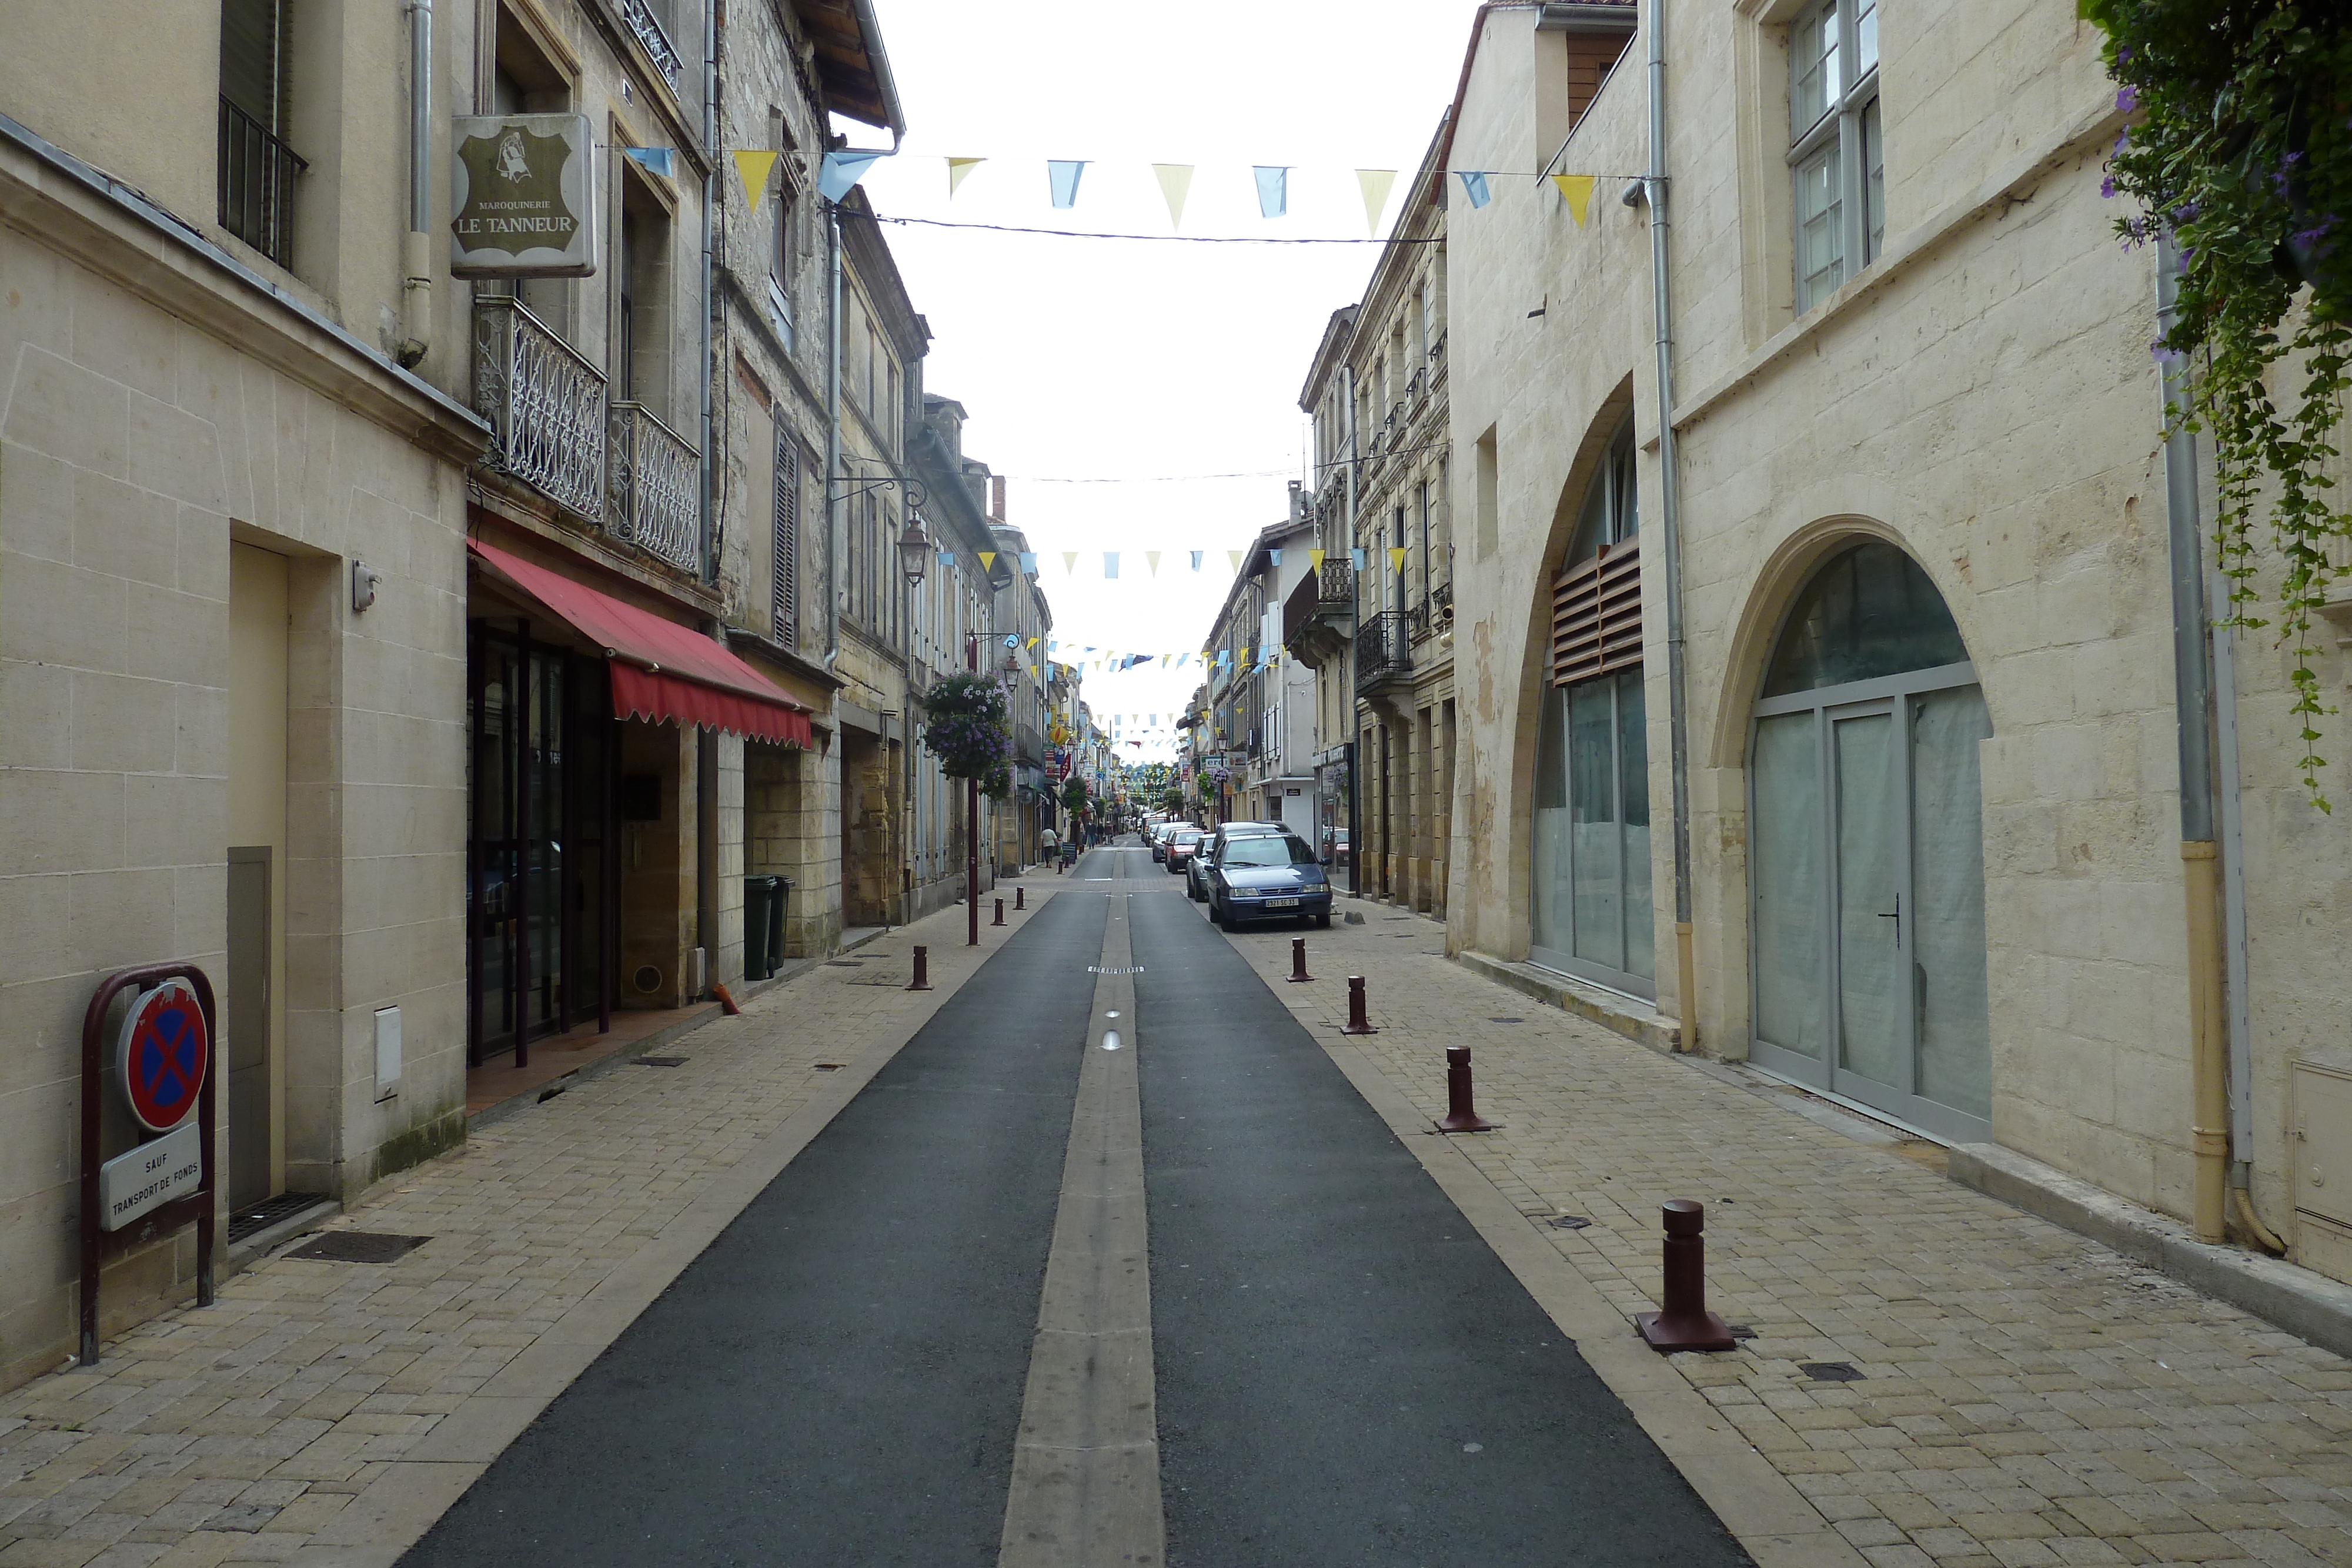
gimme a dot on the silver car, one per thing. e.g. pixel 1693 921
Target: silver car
pixel 1196 878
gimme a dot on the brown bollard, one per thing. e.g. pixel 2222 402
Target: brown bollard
pixel 1460 1116
pixel 1020 897
pixel 1357 1023
pixel 1686 1324
pixel 922 970
pixel 1298 960
pixel 1000 913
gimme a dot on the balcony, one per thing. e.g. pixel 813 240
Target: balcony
pixel 1318 615
pixel 649 32
pixel 255 180
pixel 545 405
pixel 656 501
pixel 1383 651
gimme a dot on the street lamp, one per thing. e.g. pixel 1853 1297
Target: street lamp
pixel 914 552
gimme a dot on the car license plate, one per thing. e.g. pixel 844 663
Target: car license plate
pixel 1282 904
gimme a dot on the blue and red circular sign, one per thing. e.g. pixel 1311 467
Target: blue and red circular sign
pixel 164 1051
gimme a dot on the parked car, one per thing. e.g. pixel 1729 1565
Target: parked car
pixel 1160 834
pixel 1196 882
pixel 1182 844
pixel 1335 846
pixel 1267 877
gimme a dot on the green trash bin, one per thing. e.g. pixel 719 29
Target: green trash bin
pixel 764 924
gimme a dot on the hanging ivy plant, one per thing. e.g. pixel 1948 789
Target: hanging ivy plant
pixel 2241 144
pixel 968 731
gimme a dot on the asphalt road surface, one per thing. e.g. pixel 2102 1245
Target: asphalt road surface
pixel 1345 1373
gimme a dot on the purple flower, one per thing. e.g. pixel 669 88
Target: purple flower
pixel 2128 98
pixel 2170 358
pixel 2185 213
pixel 2107 187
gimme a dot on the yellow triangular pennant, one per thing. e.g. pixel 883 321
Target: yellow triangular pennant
pixel 1576 190
pixel 1375 183
pixel 958 168
pixel 1315 561
pixel 1396 558
pixel 1152 560
pixel 1175 182
pixel 1031 644
pixel 1070 561
pixel 1235 556
pixel 988 560
pixel 755 168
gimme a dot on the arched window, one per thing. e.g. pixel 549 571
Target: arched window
pixel 1593 916
pixel 1866 849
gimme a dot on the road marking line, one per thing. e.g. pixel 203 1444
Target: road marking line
pixel 1086 1462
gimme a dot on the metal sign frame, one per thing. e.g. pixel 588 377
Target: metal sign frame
pixel 99 1245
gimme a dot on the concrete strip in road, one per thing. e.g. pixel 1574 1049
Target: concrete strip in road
pixel 1769 1517
pixel 396 1509
pixel 1086 1464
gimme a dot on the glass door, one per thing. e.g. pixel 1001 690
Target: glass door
pixel 1591 916
pixel 1867 860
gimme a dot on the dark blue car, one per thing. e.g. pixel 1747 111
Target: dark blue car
pixel 1274 877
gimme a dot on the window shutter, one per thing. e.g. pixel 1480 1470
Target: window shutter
pixel 1596 615
pixel 784 580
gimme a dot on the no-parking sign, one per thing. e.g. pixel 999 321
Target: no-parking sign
pixel 161 1055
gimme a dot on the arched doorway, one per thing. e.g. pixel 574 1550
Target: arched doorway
pixel 1866 849
pixel 1591 884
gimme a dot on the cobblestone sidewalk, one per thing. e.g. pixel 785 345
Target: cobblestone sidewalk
pixel 2025 1397
pixel 240 1434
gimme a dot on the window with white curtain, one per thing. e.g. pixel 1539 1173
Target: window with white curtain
pixel 1836 160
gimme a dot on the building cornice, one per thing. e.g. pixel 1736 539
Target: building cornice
pixel 59 201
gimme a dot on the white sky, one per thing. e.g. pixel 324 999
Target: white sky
pixel 1125 359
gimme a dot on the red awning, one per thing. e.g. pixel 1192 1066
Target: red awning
pixel 661 671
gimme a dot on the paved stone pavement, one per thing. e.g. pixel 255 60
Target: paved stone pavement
pixel 240 1433
pixel 2027 1398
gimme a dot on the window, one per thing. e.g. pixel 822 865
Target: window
pixel 1427 581
pixel 783 258
pixel 1836 161
pixel 256 167
pixel 784 578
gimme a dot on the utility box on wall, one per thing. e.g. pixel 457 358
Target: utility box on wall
pixel 2320 1144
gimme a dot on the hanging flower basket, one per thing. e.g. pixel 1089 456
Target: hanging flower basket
pixel 969 733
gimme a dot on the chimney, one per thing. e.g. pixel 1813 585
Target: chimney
pixel 996 499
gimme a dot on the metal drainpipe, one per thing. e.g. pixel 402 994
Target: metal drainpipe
pixel 1653 192
pixel 832 543
pixel 710 188
pixel 2200 854
pixel 417 245
pixel 1355 619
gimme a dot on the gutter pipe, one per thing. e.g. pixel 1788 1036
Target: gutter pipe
pixel 834 543
pixel 710 189
pixel 2200 864
pixel 1653 192
pixel 417 245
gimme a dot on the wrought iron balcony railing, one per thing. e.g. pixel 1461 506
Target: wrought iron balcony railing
pixel 544 402
pixel 656 492
pixel 650 32
pixel 256 175
pixel 1383 650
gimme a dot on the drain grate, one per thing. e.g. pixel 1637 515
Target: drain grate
pixel 845 963
pixel 1505 1020
pixel 259 1217
pixel 828 1067
pixel 661 1062
pixel 1571 1222
pixel 1829 1371
pixel 359 1247
pixel 1099 970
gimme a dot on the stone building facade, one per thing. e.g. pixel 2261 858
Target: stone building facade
pixel 1928 636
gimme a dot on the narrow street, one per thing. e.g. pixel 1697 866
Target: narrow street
pixel 1346 1374
pixel 875 1276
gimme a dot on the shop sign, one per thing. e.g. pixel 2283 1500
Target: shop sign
pixel 523 195
pixel 151 1175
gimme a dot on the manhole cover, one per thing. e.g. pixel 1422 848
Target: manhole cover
pixel 1571 1222
pixel 1829 1371
pixel 359 1247
pixel 661 1062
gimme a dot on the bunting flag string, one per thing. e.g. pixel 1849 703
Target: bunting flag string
pixel 1272 191
pixel 754 169
pixel 1062 175
pixel 1175 184
pixel 1374 183
pixel 1576 190
pixel 959 169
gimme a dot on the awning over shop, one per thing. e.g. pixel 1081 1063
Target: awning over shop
pixel 661 671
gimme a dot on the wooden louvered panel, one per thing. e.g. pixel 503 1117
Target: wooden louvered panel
pixel 784 577
pixel 1596 615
